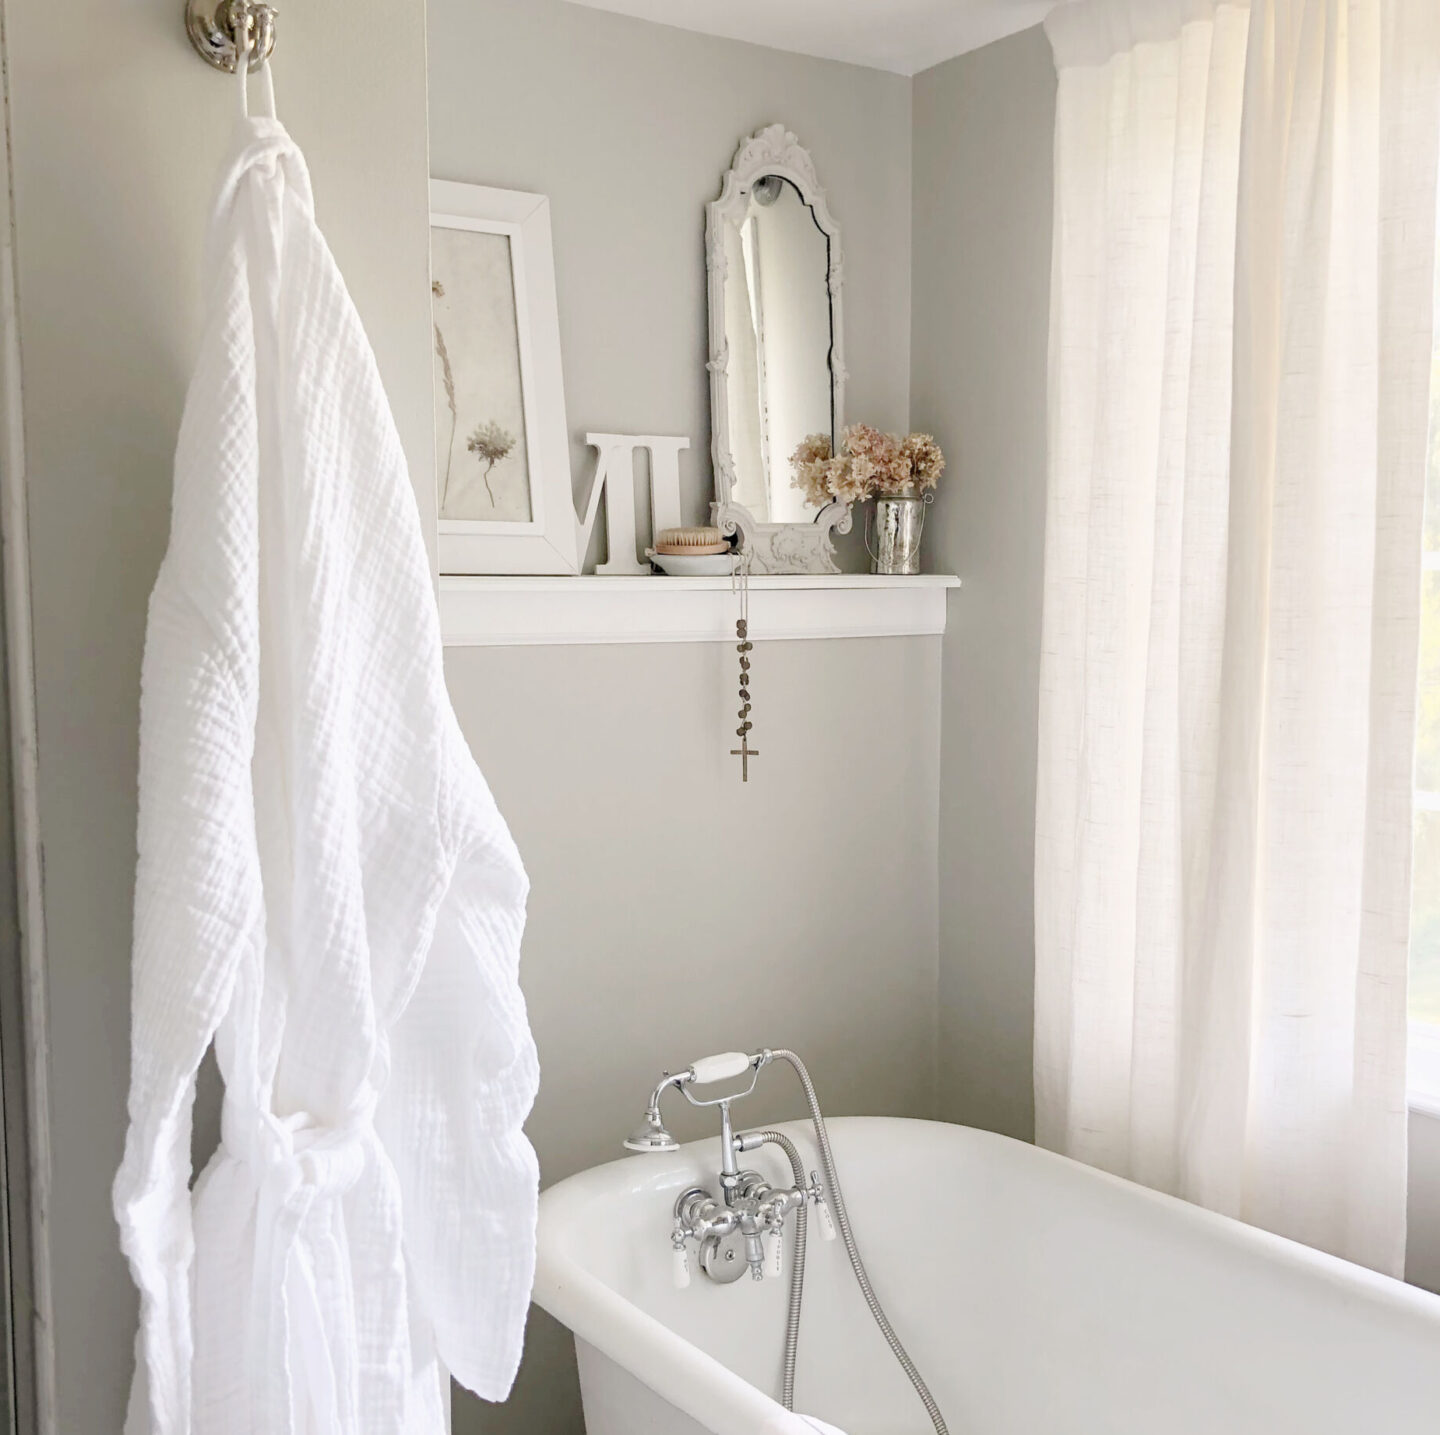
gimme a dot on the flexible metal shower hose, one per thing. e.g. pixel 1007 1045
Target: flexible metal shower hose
pixel 797 1267
pixel 842 1219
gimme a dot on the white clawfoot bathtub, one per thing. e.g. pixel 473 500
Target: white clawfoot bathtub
pixel 1037 1297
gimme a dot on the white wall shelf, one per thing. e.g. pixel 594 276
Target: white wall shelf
pixel 505 612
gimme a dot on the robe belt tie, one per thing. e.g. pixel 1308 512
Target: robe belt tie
pixel 297 1150
pixel 296 1162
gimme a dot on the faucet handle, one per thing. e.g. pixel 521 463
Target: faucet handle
pixel 679 1260
pixel 822 1208
pixel 720 1067
pixel 774 1239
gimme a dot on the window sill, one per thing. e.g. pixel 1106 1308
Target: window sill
pixel 506 611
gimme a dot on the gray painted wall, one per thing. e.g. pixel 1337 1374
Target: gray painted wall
pixel 983 128
pixel 808 896
pixel 117 147
pixel 651 864
pixel 628 126
pixel 675 912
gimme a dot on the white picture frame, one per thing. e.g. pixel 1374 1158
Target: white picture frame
pixel 545 542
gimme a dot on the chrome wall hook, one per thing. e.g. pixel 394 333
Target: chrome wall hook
pixel 214 26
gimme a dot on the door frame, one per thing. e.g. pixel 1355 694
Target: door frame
pixel 25 1154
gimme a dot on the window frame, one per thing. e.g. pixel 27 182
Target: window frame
pixel 1422 1076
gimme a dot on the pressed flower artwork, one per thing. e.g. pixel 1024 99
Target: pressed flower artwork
pixel 484 470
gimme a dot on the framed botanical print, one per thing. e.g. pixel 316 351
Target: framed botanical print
pixel 503 455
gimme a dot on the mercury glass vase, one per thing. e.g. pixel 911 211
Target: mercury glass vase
pixel 897 526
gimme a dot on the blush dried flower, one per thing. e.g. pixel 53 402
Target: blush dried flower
pixel 810 465
pixel 923 460
pixel 882 450
pixel 871 464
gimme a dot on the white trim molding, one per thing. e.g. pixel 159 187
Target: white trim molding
pixel 481 612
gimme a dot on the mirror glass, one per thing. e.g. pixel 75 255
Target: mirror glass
pixel 779 322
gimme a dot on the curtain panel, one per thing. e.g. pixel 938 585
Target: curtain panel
pixel 1240 350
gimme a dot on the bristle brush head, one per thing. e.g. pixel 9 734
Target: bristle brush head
pixel 691 541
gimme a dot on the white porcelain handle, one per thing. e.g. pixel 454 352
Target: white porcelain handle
pixel 720 1068
pixel 822 1215
pixel 680 1267
pixel 773 1243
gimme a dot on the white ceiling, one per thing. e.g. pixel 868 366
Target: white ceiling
pixel 905 36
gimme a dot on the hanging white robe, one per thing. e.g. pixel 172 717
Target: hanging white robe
pixel 324 887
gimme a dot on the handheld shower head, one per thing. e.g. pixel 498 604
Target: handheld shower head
pixel 652 1136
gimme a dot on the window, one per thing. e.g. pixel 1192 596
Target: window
pixel 1425 904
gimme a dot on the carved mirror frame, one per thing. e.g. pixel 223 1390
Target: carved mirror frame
pixel 773 547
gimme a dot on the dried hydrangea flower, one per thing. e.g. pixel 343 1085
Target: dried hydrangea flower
pixel 855 482
pixel 812 469
pixel 925 461
pixel 878 458
pixel 872 464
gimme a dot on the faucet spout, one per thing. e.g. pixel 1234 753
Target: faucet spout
pixel 729 1166
pixel 754 1247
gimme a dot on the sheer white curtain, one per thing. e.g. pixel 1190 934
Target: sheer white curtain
pixel 1239 370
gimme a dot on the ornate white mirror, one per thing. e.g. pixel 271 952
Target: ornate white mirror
pixel 777 370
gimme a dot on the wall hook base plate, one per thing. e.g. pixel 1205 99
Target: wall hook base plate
pixel 213 26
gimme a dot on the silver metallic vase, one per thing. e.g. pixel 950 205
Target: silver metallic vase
pixel 898 524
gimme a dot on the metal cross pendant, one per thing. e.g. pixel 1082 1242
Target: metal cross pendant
pixel 745 752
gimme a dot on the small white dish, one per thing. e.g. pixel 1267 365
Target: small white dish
pixel 693 565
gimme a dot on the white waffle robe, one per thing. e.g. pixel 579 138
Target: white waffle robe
pixel 326 888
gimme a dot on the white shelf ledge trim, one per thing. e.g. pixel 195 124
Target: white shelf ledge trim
pixel 505 612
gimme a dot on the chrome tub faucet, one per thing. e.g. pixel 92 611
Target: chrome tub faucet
pixel 748 1206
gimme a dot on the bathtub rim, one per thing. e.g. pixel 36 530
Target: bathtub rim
pixel 708 1391
pixel 676 1369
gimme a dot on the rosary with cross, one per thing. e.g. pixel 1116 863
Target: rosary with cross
pixel 742 632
